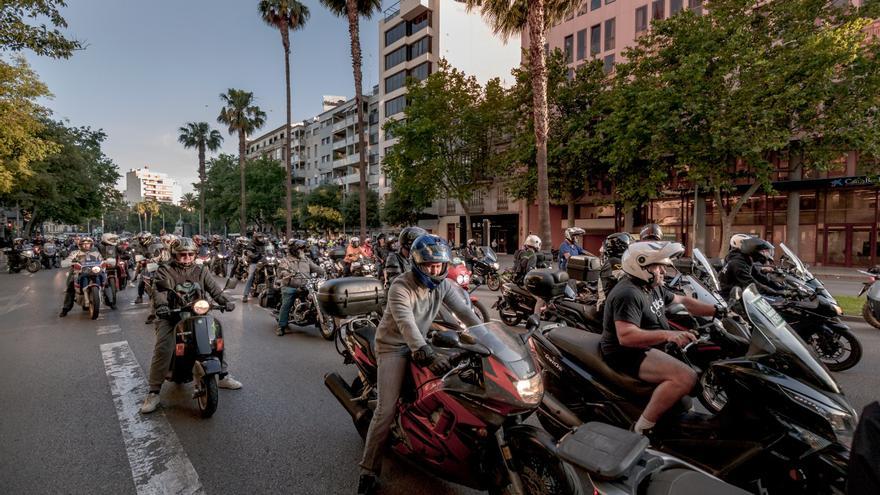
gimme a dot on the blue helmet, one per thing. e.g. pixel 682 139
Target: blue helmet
pixel 429 248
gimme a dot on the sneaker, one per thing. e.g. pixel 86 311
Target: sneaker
pixel 150 403
pixel 139 300
pixel 230 383
pixel 367 484
pixel 244 299
pixel 63 313
pixel 279 331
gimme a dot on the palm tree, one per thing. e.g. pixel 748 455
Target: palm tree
pixel 242 117
pixel 199 135
pixel 286 16
pixel 509 18
pixel 353 10
pixel 189 202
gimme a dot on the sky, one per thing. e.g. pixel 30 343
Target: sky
pixel 150 67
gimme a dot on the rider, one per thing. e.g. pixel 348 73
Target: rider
pixel 254 253
pixel 414 299
pixel 569 246
pixel 381 252
pixel 353 252
pixel 651 232
pixel 108 247
pixel 293 271
pixel 86 252
pixel 144 240
pixel 471 252
pixel 202 249
pixel 742 267
pixel 635 321
pixel 398 262
pixel 180 270
pixel 613 248
pixel 526 259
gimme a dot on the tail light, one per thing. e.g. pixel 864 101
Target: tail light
pixel 179 349
pixel 219 344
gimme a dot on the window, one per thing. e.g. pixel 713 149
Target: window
pixel 569 48
pixel 596 39
pixel 595 4
pixel 395 58
pixel 420 22
pixel 395 82
pixel 696 6
pixel 395 106
pixel 421 71
pixel 608 63
pixel 674 6
pixel 581 44
pixel 420 47
pixel 641 19
pixel 395 33
pixel 657 12
pixel 610 28
pixel 584 8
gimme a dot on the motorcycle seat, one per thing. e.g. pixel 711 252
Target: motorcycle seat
pixel 584 347
pixel 366 334
pixel 591 314
pixel 518 290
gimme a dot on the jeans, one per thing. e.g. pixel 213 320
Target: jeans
pixel 84 280
pixel 250 280
pixel 288 297
pixel 392 368
pixel 163 353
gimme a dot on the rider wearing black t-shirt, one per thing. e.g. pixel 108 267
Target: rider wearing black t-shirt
pixel 635 321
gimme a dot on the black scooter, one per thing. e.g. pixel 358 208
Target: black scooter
pixel 871 308
pixel 784 425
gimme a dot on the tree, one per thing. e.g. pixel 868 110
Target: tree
pixel 351 210
pixel 199 135
pixel 222 189
pixel 511 18
pixel 286 16
pixel 446 140
pixel 321 208
pixel 402 208
pixel 265 193
pixel 190 202
pixel 16 34
pixel 242 117
pixel 353 10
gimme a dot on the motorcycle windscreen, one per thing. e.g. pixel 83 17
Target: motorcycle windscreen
pixel 701 293
pixel 489 254
pixel 703 264
pixel 799 266
pixel 773 337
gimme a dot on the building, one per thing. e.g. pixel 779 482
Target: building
pixel 413 36
pixel 145 185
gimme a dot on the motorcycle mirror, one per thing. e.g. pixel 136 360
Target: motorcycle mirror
pixel 231 283
pixel 445 338
pixel 532 323
pixel 736 293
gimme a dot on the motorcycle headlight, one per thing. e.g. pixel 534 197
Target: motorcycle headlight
pixel 496 266
pixel 96 269
pixel 27 254
pixel 843 423
pixel 531 390
pixel 837 309
pixel 110 261
pixel 460 279
pixel 201 307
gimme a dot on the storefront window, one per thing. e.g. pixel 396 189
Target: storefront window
pixel 861 246
pixel 835 246
pixel 807 245
pixel 864 205
pixel 808 208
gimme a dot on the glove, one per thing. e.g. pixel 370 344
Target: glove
pixel 229 306
pixel 720 312
pixel 427 356
pixel 163 311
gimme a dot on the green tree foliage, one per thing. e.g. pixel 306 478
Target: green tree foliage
pixel 402 208
pixel 70 185
pixel 264 198
pixel 351 209
pixel 20 28
pixel 242 117
pixel 322 209
pixel 200 136
pixel 447 138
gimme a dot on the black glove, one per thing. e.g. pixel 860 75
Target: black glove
pixel 427 356
pixel 720 312
pixel 163 311
pixel 229 306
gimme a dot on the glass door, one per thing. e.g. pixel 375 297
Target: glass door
pixel 861 247
pixel 836 245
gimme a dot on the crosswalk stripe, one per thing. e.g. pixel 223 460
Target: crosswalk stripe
pixel 106 329
pixel 158 462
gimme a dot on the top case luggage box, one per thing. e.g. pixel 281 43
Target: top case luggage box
pixel 337 253
pixel 546 283
pixel 584 268
pixel 351 296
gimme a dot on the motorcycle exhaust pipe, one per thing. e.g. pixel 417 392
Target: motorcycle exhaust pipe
pixel 359 413
pixel 559 411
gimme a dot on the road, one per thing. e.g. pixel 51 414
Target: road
pixel 66 428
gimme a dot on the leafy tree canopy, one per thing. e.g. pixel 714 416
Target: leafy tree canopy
pixel 23 26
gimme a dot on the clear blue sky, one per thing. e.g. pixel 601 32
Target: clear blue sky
pixel 152 66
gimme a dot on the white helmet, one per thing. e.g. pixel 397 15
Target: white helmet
pixel 355 241
pixel 571 232
pixel 110 238
pixel 736 240
pixel 533 241
pixel 639 255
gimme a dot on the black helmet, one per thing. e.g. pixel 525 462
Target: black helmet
pixel 259 239
pixel 145 238
pixel 296 246
pixel 651 232
pixel 408 235
pixel 758 249
pixel 615 244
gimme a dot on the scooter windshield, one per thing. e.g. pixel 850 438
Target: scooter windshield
pixel 799 266
pixel 708 275
pixel 489 254
pixel 504 346
pixel 773 337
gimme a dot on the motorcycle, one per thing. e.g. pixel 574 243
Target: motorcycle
pixel 783 426
pixel 459 273
pixel 117 275
pixel 620 462
pixel 218 263
pixel 871 308
pixel 147 271
pixel 307 310
pixel 266 272
pixel 465 426
pixel 49 256
pixel 363 267
pixel 486 268
pixel 16 260
pixel 198 351
pixel 515 304
pixel 88 297
pixel 559 302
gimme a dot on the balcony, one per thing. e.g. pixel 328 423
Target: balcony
pixel 412 8
pixel 391 12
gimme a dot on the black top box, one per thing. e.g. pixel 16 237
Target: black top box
pixel 351 296
pixel 546 283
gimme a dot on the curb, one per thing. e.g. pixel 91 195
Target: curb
pixel 853 319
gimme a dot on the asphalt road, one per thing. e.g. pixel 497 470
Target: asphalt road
pixel 65 430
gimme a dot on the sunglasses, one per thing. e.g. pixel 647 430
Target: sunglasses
pixel 187 255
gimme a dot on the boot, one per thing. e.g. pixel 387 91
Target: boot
pixel 139 300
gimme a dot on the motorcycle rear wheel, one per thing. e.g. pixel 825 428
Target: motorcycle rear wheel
pixel 868 315
pixel 508 316
pixel 843 341
pixel 94 302
pixel 33 266
pixel 207 402
pixel 493 282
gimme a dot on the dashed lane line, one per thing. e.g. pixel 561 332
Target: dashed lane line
pixel 158 462
pixel 107 329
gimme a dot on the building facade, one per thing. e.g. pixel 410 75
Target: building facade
pixel 144 184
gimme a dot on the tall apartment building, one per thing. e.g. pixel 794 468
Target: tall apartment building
pixel 413 36
pixel 145 185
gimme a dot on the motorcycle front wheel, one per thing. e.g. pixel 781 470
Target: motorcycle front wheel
pixel 326 326
pixel 507 315
pixel 94 302
pixel 33 266
pixel 110 294
pixel 839 351
pixel 541 473
pixel 493 282
pixel 481 311
pixel 209 396
pixel 868 315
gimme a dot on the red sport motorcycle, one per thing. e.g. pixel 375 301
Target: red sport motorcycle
pixel 465 426
pixel 458 272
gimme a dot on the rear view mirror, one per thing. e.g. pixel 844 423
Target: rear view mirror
pixel 231 283
pixel 532 323
pixel 445 338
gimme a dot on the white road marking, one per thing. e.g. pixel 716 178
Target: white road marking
pixel 14 303
pixel 158 462
pixel 106 329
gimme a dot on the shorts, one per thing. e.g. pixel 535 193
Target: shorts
pixel 626 361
